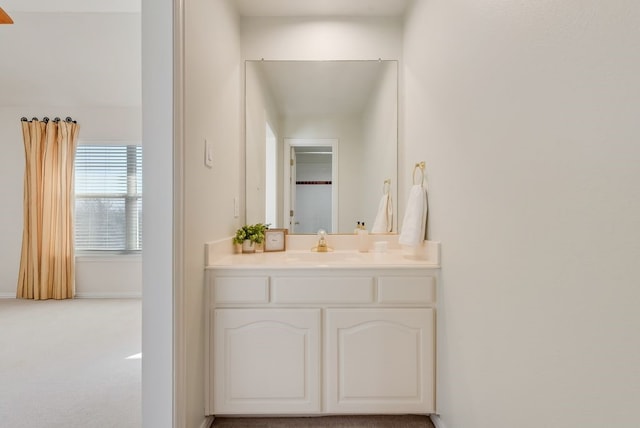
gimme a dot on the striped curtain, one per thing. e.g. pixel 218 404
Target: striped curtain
pixel 47 265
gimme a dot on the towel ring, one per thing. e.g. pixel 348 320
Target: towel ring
pixel 419 165
pixel 386 187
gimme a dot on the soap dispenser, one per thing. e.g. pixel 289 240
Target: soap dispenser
pixel 363 239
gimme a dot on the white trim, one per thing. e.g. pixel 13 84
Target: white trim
pixel 207 422
pixel 158 214
pixel 117 295
pixel 437 422
pixel 108 142
pixel 180 408
pixel 114 295
pixel 108 258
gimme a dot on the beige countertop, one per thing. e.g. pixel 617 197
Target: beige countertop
pixel 333 259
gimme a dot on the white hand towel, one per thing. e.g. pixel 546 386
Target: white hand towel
pixel 414 224
pixel 384 217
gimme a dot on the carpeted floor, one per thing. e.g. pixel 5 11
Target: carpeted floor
pixel 70 363
pixel 399 421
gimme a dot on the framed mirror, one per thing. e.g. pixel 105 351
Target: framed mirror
pixel 321 143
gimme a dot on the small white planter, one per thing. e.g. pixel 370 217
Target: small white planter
pixel 248 246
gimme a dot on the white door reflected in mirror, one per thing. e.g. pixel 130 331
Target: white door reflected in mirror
pixel 312 184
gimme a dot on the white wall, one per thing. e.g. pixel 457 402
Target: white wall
pixel 12 175
pixel 213 111
pixel 526 115
pixel 54 66
pixel 118 276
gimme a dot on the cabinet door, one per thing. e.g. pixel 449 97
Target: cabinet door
pixel 380 361
pixel 266 361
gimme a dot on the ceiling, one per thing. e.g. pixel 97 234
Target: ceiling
pixel 321 88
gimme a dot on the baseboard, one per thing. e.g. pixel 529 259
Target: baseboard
pixel 117 295
pixel 437 422
pixel 122 295
pixel 207 422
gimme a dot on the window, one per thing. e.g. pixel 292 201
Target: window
pixel 108 192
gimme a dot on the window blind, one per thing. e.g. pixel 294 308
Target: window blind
pixel 108 194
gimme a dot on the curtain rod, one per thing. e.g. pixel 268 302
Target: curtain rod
pixel 46 119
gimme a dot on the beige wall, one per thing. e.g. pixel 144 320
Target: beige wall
pixel 213 111
pixel 378 157
pixel 296 38
pixel 259 110
pixel 526 115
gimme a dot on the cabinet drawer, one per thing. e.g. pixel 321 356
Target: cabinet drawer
pixel 406 289
pixel 249 289
pixel 322 290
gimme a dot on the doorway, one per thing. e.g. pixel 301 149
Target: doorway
pixel 311 185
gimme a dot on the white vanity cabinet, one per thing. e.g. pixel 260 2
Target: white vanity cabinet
pixel 317 340
pixel 266 360
pixel 379 360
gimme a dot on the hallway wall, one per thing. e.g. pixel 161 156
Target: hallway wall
pixel 526 115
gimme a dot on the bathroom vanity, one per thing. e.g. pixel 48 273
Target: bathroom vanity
pixel 308 333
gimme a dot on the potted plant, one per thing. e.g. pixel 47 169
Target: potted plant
pixel 249 235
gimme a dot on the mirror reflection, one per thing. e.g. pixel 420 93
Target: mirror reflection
pixel 321 144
